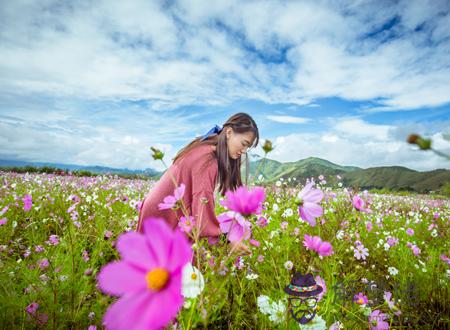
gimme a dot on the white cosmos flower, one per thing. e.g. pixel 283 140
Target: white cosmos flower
pixel 263 303
pixel 317 323
pixel 193 282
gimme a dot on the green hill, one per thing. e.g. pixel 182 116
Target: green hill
pixel 388 177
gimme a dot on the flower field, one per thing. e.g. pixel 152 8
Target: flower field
pixel 68 251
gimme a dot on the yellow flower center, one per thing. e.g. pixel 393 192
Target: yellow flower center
pixel 194 276
pixel 188 223
pixel 157 279
pixel 360 301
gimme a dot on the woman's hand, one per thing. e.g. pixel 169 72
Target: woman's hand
pixel 239 248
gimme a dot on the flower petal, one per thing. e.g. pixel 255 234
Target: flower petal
pixel 119 278
pixel 133 248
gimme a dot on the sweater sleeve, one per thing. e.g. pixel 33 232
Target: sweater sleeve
pixel 203 203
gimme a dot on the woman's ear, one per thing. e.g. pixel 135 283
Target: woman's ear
pixel 228 132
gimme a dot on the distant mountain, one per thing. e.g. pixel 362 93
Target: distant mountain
pixel 305 168
pixel 71 167
pixel 390 177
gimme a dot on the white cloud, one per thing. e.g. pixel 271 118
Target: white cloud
pixel 288 119
pixel 360 145
pixel 215 53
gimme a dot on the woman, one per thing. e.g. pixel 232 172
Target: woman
pixel 208 162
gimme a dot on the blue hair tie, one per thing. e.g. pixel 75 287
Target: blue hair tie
pixel 215 130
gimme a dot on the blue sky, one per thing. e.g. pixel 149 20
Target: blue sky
pixel 98 83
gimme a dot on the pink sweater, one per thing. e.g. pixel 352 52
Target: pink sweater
pixel 198 171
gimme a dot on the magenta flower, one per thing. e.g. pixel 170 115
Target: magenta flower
pixel 43 263
pixel 360 299
pixel 244 201
pixel 53 240
pixel 186 224
pixel 3 221
pixel 32 308
pixel 148 278
pixel 315 244
pixel 27 202
pixel 308 200
pixel 254 242
pixel 369 226
pixel 171 201
pixel 320 281
pixel 410 231
pixel 235 225
pixel 415 250
pixel 262 222
pixel 4 210
pixel 377 321
pixel 359 204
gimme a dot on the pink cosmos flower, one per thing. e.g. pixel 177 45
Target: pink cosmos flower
pixel 262 222
pixel 43 263
pixel 244 201
pixel 360 299
pixel 148 278
pixel 377 321
pixel 260 258
pixel 361 252
pixel 171 201
pixel 4 210
pixel 235 225
pixel 27 202
pixel 308 200
pixel 254 242
pixel 3 221
pixel 415 250
pixel 186 224
pixel 315 243
pixel 410 231
pixel 359 204
pixel 369 226
pixel 53 240
pixel 32 308
pixel 319 280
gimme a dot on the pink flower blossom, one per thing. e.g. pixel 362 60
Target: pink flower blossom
pixel 320 281
pixel 415 250
pixel 254 242
pixel 32 308
pixel 360 299
pixel 262 222
pixel 260 258
pixel 315 244
pixel 171 201
pixel 237 227
pixel 244 201
pixel 410 231
pixel 308 200
pixel 377 321
pixel 53 240
pixel 186 223
pixel 148 278
pixel 392 241
pixel 361 252
pixel 3 221
pixel 369 226
pixel 4 210
pixel 359 204
pixel 27 202
pixel 43 263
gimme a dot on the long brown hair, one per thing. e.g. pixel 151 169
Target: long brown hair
pixel 229 170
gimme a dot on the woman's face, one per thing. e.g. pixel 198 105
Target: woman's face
pixel 238 143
